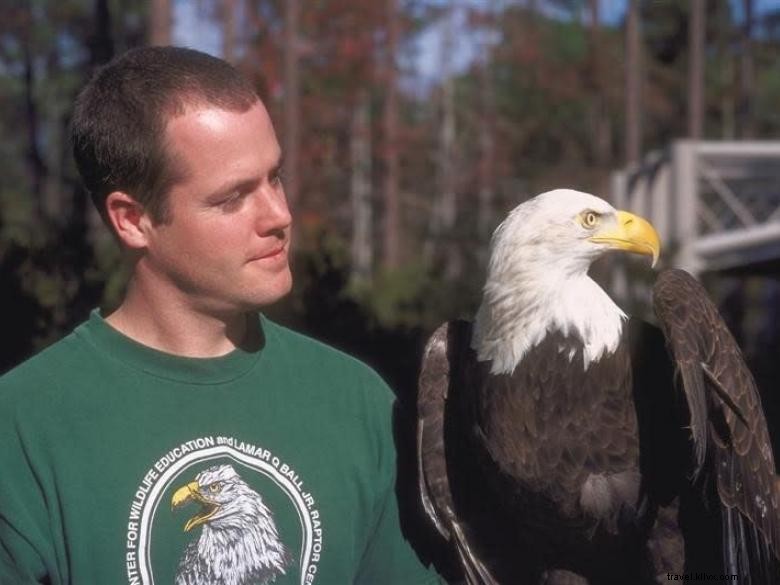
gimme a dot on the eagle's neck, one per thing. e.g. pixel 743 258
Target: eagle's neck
pixel 518 312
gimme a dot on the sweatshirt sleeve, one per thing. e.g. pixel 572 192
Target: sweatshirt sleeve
pixel 26 552
pixel 389 558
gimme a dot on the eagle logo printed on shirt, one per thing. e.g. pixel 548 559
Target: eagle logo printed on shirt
pixel 220 511
pixel 239 542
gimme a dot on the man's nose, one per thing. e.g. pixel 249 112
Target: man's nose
pixel 273 214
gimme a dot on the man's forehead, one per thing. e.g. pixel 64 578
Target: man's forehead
pixel 206 132
pixel 211 151
pixel 207 116
pixel 213 118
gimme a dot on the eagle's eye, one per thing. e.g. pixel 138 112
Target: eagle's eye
pixel 215 487
pixel 590 219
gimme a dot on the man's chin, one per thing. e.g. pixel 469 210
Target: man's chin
pixel 270 295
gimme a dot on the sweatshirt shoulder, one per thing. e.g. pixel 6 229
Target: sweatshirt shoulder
pixel 323 359
pixel 45 369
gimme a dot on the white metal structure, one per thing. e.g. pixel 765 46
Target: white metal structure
pixel 716 205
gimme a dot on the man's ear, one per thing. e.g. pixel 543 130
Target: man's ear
pixel 129 219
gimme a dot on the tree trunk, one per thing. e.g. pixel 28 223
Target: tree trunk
pixel 633 84
pixel 102 40
pixel 362 249
pixel 602 128
pixel 487 150
pixel 36 166
pixel 291 102
pixel 446 212
pixel 228 9
pixel 745 119
pixel 160 22
pixel 727 69
pixel 392 239
pixel 440 243
pixel 83 225
pixel 696 30
pixel 84 218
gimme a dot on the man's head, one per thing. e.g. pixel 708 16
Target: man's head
pixel 118 126
pixel 184 163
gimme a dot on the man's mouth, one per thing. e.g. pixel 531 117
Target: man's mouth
pixel 271 254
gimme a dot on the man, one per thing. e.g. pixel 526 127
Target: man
pixel 183 438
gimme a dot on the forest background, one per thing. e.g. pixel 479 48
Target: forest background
pixel 409 126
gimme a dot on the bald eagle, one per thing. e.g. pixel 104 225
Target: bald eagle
pixel 560 441
pixel 239 543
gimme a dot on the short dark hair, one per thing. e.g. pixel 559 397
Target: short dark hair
pixel 118 124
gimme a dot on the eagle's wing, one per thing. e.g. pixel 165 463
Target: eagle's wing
pixel 731 441
pixel 438 371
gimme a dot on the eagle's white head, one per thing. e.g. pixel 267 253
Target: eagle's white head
pixel 239 543
pixel 538 277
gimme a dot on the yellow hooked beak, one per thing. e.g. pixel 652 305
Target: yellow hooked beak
pixel 632 234
pixel 191 491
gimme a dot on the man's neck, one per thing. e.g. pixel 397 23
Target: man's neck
pixel 174 327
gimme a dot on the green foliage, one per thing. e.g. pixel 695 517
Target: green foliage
pixel 17 228
pixel 400 298
pixel 52 272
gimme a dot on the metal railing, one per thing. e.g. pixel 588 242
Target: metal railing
pixel 716 205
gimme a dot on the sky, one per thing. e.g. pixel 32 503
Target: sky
pixel 193 29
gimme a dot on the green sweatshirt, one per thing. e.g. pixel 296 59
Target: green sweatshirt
pixel 123 464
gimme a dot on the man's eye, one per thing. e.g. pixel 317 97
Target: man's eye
pixel 232 201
